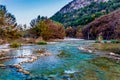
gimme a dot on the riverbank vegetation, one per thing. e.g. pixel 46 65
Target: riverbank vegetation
pixel 42 43
pixel 110 47
pixel 45 29
pixel 15 45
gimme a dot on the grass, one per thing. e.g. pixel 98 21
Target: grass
pixel 111 47
pixel 15 45
pixel 42 43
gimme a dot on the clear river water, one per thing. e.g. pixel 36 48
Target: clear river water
pixel 77 65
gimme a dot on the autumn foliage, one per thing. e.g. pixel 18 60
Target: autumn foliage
pixel 48 29
pixel 108 26
pixel 74 32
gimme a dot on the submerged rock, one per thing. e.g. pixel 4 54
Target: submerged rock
pixel 17 66
pixel 47 54
pixel 2 65
pixel 20 70
pixel 63 54
pixel 26 72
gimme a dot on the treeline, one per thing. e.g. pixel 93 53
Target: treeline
pixel 87 14
pixel 39 27
pixel 47 29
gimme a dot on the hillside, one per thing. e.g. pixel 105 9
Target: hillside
pixel 108 26
pixel 82 12
pixel 77 4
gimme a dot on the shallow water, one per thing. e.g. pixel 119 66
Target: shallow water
pixel 79 65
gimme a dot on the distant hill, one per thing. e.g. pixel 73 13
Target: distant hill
pixel 82 12
pixel 108 26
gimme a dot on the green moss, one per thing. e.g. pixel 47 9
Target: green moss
pixel 63 54
pixel 15 45
pixel 105 63
pixel 42 43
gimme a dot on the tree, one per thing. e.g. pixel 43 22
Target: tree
pixel 7 24
pixel 71 32
pixel 35 21
pixel 47 29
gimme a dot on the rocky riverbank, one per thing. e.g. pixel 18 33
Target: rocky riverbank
pixel 91 49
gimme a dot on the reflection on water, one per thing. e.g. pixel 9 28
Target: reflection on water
pixel 79 66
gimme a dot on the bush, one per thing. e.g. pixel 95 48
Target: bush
pixel 42 43
pixel 15 45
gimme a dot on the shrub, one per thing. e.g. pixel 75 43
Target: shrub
pixel 15 45
pixel 42 43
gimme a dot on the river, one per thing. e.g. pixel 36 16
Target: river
pixel 78 65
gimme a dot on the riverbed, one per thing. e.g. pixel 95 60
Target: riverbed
pixel 79 65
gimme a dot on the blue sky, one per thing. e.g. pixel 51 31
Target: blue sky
pixel 25 10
